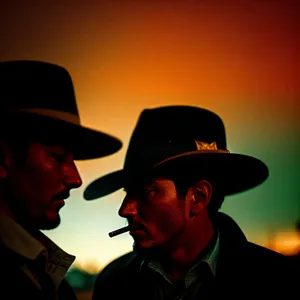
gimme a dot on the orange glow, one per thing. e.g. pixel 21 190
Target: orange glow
pixel 237 58
pixel 287 243
pixel 90 266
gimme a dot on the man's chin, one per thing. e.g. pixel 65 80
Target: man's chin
pixel 145 248
pixel 150 253
pixel 50 223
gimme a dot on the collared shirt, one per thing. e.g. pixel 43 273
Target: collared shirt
pixel 193 280
pixel 46 255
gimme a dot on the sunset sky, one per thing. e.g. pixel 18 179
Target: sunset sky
pixel 237 58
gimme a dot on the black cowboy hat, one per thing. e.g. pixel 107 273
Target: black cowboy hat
pixel 181 138
pixel 37 98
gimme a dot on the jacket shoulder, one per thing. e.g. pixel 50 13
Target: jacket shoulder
pixel 117 276
pixel 65 291
pixel 122 263
pixel 260 251
pixel 272 260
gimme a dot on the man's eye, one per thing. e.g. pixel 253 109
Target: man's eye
pixel 59 158
pixel 148 191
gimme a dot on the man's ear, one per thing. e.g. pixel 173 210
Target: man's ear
pixel 5 159
pixel 200 196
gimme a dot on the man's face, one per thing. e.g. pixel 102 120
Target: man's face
pixel 35 188
pixel 156 213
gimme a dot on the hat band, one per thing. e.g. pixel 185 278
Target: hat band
pixel 57 114
pixel 150 157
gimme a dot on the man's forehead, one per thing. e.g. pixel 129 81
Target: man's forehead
pixel 150 180
pixel 52 146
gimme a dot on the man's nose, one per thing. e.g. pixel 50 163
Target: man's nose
pixel 128 207
pixel 71 176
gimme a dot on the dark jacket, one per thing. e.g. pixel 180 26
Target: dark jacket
pixel 244 270
pixel 16 284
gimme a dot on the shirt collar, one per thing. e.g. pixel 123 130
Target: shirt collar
pixel 17 239
pixel 20 241
pixel 210 259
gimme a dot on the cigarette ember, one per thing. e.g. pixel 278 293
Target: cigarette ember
pixel 119 231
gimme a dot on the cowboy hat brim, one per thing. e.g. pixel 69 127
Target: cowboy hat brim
pixel 239 172
pixel 83 142
pixel 87 143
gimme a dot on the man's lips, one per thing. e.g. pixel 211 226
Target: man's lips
pixel 61 196
pixel 59 199
pixel 59 203
pixel 136 226
pixel 136 229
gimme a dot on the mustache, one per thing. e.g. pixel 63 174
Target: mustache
pixel 135 225
pixel 61 195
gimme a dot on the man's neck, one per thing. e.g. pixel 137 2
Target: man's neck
pixel 5 209
pixel 177 262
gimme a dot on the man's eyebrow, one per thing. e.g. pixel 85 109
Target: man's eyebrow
pixel 139 185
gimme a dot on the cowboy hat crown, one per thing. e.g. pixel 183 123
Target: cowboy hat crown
pixel 38 98
pixel 181 138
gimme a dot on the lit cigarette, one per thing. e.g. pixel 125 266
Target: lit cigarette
pixel 119 231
